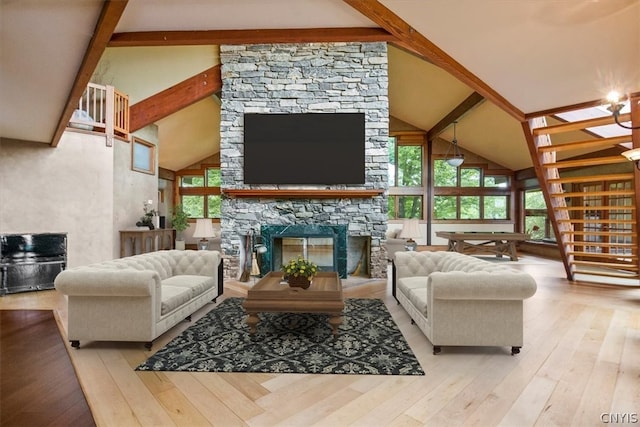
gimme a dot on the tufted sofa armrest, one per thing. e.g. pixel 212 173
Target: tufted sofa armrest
pixel 92 281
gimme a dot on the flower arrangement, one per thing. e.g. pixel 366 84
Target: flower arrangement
pixel 300 267
pixel 149 213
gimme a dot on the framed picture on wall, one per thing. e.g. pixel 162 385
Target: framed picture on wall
pixel 143 156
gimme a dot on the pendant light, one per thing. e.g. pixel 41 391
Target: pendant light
pixel 456 158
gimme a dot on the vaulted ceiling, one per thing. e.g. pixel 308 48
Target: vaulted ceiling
pixel 522 57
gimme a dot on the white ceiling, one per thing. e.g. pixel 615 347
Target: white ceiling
pixel 536 54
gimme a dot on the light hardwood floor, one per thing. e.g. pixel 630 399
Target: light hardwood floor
pixel 580 360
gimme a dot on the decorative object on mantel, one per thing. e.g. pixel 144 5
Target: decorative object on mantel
pixel 180 222
pixel 205 231
pixel 299 272
pixel 410 229
pixel 147 220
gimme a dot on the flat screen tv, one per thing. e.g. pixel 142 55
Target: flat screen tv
pixel 304 148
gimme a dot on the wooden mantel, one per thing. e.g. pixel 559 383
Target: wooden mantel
pixel 301 193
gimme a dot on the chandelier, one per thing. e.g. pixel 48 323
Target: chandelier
pixel 457 158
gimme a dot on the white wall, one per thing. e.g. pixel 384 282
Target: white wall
pixel 82 187
pixel 131 188
pixel 64 189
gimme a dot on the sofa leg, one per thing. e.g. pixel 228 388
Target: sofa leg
pixel 148 345
pixel 188 318
pixel 413 322
pixel 436 349
pixel 75 344
pixel 515 350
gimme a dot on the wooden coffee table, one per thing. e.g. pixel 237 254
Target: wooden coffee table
pixel 271 294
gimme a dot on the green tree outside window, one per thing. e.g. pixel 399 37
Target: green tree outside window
pixel 495 207
pixel 469 207
pixel 193 206
pixel 445 207
pixel 469 177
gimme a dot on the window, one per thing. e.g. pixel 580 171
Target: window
pixel 200 192
pixel 406 176
pixel 536 219
pixel 143 156
pixel 470 177
pixel 470 193
pixel 495 207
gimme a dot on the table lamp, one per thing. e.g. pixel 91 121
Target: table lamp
pixel 410 229
pixel 204 230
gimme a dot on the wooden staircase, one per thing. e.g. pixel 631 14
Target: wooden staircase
pixel 591 193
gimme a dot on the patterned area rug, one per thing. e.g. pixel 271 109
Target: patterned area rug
pixel 369 342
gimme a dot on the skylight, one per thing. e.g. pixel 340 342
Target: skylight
pixel 595 112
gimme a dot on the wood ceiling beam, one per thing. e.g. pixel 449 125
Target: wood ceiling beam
pixel 109 16
pixel 175 98
pixel 217 37
pixel 384 17
pixel 464 107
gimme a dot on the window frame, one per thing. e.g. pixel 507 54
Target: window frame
pixel 409 138
pixel 150 164
pixel 548 232
pixel 199 191
pixel 458 191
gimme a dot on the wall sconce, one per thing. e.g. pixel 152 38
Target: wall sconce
pixel 633 155
pixel 457 158
pixel 615 105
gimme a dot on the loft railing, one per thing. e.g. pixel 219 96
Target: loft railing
pixel 102 109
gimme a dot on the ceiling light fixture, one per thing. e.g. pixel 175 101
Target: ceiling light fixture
pixel 615 105
pixel 633 156
pixel 456 158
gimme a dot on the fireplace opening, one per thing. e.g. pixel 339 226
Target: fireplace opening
pixel 326 245
pixel 317 249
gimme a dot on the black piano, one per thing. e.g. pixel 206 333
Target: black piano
pixel 31 262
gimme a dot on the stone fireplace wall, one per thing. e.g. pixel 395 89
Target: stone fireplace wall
pixel 304 78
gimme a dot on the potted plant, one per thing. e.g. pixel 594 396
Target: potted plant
pixel 299 272
pixel 180 222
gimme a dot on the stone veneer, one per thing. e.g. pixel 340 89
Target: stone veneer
pixel 304 78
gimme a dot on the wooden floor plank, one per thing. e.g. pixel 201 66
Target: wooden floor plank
pixel 232 398
pixel 530 403
pixel 580 359
pixel 212 408
pixel 38 384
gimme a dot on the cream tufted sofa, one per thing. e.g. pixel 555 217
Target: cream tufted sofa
pixel 459 300
pixel 140 297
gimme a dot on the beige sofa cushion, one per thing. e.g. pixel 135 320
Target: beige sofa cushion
pixel 196 284
pixel 415 289
pixel 173 297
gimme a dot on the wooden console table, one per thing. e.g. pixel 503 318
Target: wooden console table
pixel 144 240
pixel 497 242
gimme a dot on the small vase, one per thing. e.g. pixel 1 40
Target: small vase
pixel 298 282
